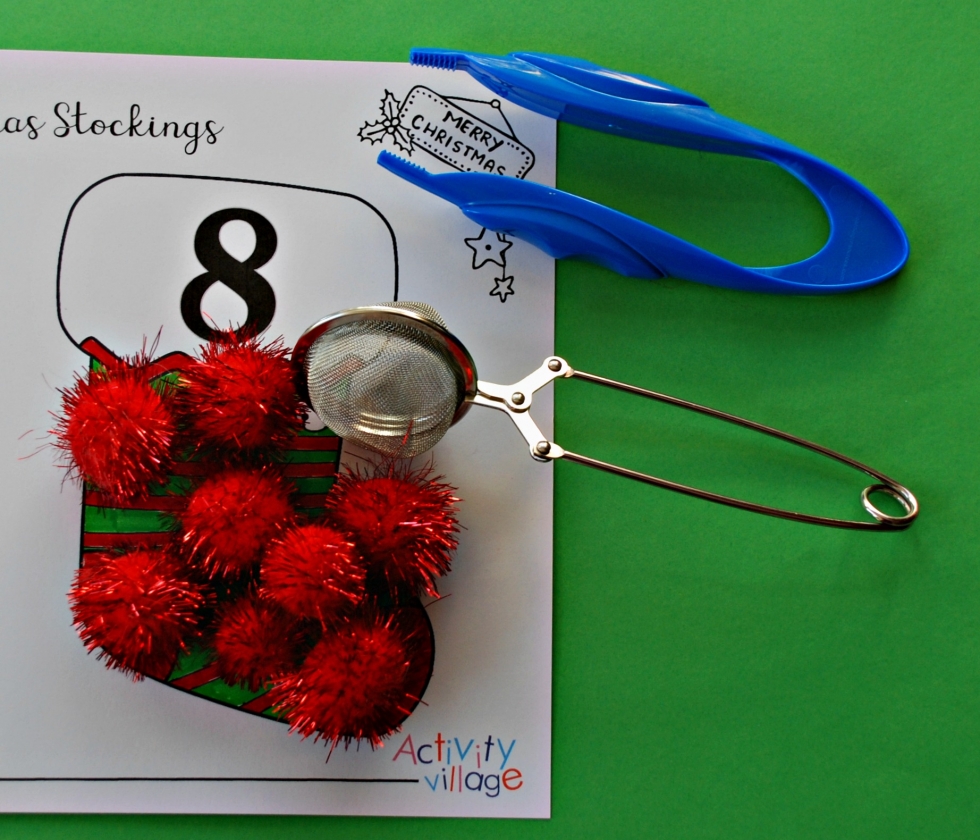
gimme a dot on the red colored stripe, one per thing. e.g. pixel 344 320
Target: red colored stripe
pixel 98 351
pixel 311 500
pixel 171 362
pixel 143 539
pixel 165 364
pixel 314 444
pixel 162 503
pixel 185 468
pixel 197 678
pixel 259 704
pixel 318 470
pixel 309 470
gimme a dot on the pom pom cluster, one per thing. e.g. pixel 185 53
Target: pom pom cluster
pixel 322 613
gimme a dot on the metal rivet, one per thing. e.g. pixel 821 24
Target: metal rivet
pixel 542 447
pixel 517 398
pixel 554 364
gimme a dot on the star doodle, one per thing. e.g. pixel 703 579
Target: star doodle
pixel 487 248
pixel 503 287
pixel 390 125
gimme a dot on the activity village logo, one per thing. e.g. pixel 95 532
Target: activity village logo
pixel 470 135
pixel 457 765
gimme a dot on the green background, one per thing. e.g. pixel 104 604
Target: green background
pixel 717 674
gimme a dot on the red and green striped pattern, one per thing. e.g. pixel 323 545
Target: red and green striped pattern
pixel 310 463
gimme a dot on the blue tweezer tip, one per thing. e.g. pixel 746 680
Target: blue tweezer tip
pixel 438 59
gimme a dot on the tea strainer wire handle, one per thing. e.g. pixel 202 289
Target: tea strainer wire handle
pixel 515 401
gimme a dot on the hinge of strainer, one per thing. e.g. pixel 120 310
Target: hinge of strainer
pixel 515 400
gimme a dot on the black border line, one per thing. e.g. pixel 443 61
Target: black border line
pixel 90 187
pixel 304 780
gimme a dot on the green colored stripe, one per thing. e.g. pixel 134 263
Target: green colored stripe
pixel 100 520
pixel 178 485
pixel 312 513
pixel 313 485
pixel 193 660
pixel 233 695
pixel 170 379
pixel 165 382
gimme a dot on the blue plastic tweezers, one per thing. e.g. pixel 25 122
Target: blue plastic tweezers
pixel 866 243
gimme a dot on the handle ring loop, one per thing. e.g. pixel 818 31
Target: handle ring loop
pixel 900 494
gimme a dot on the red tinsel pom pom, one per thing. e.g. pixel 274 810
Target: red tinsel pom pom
pixel 241 395
pixel 404 523
pixel 361 680
pixel 139 607
pixel 313 571
pixel 232 516
pixel 256 640
pixel 117 430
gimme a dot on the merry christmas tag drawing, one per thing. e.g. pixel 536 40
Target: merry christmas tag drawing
pixel 152 205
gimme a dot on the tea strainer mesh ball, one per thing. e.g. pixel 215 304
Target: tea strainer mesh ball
pixel 384 377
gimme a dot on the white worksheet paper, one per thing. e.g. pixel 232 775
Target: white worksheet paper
pixel 99 206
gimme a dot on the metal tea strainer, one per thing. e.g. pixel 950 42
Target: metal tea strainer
pixel 392 378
